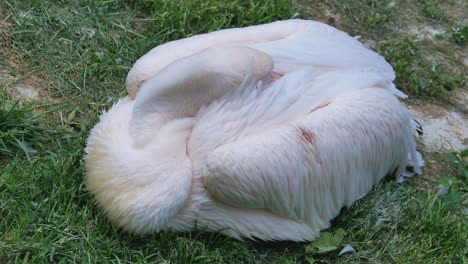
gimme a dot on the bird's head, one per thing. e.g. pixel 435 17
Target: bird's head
pixel 137 166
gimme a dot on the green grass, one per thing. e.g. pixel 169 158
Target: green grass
pixel 77 54
pixel 418 74
pixel 18 130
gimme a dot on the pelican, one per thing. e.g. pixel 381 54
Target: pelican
pixel 263 132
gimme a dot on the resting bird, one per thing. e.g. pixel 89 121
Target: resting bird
pixel 263 132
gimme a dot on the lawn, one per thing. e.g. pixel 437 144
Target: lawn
pixel 63 62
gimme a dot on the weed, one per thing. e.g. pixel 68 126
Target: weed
pixel 459 35
pixel 374 19
pixel 327 242
pixel 454 189
pixel 431 8
pixel 416 75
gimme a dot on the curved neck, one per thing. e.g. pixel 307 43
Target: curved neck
pixel 141 188
pixel 182 88
pixel 160 57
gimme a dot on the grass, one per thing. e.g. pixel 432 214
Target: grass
pixel 77 54
pixel 405 56
pixel 18 130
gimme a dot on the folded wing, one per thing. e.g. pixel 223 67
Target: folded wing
pixel 311 167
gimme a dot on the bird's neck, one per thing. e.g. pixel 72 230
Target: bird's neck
pixel 142 188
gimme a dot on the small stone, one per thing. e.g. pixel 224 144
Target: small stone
pixel 370 43
pixel 25 92
pixel 444 130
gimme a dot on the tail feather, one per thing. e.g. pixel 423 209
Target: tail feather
pixel 417 126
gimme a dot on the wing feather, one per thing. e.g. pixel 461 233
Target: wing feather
pixel 311 167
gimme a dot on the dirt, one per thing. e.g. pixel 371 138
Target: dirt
pixel 445 126
pixel 460 100
pixel 456 10
pixel 22 86
pixel 26 89
pixel 5 24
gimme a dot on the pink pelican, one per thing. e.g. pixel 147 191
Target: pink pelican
pixel 263 132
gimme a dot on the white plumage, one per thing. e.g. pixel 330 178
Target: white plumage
pixel 263 132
